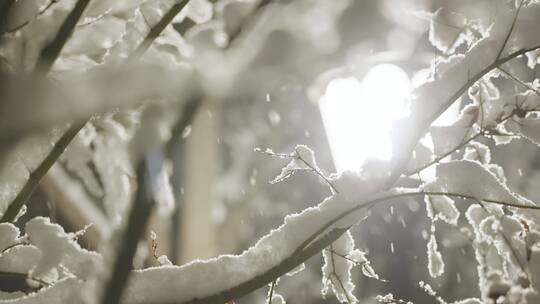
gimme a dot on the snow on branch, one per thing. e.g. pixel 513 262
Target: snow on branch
pixel 200 279
pixel 304 234
pixel 506 39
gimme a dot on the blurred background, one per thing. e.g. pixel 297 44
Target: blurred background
pixel 334 84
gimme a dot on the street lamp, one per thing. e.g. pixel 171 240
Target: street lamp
pixel 357 114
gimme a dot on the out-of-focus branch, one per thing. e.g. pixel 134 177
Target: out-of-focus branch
pixel 191 107
pixel 51 51
pixel 189 111
pixel 5 5
pixel 236 33
pixel 175 145
pixel 22 279
pixel 35 176
pixel 141 209
pixel 70 196
pixel 156 30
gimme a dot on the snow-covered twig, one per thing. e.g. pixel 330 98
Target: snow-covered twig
pixel 462 144
pixel 506 240
pixel 294 166
pixel 271 291
pixel 521 82
pixel 337 278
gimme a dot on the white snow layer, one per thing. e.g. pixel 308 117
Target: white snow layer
pixel 48 254
pixel 443 208
pixel 199 278
pixel 448 30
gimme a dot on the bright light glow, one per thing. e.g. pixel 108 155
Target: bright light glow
pixel 357 116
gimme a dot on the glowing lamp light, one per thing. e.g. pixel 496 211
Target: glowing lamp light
pixel 357 116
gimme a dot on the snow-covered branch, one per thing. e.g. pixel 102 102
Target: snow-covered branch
pixel 498 216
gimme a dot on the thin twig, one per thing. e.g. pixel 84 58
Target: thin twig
pixel 336 276
pixel 25 23
pixel 510 30
pixel 296 155
pixel 319 173
pixel 271 292
pixel 521 82
pixel 443 156
pixel 493 201
pixel 355 262
pixel 13 246
pixel 95 19
pixel 458 147
pixel 507 241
